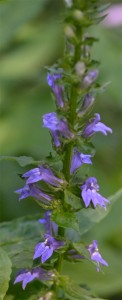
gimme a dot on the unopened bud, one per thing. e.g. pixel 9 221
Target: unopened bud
pixel 80 68
pixel 87 103
pixel 68 3
pixel 78 14
pixel 69 32
pixel 90 77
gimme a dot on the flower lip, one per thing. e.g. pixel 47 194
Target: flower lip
pixel 95 255
pixel 27 276
pixel 90 193
pixel 94 125
pixel 46 248
pixel 78 159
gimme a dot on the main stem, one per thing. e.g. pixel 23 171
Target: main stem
pixel 68 151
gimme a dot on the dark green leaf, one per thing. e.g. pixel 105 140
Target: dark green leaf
pixel 65 219
pixel 73 200
pixel 5 272
pixel 19 238
pixel 74 291
pixel 87 218
pixel 34 290
pixel 22 160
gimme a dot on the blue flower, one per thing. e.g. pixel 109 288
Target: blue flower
pixel 50 226
pixel 29 190
pixel 95 126
pixel 95 255
pixel 90 77
pixel 57 89
pixel 57 127
pixel 27 276
pixel 43 173
pixel 87 103
pixel 90 193
pixel 78 159
pixel 46 248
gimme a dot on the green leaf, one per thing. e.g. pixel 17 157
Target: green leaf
pixel 5 272
pixel 65 219
pixel 19 237
pixel 87 218
pixel 34 290
pixel 73 200
pixel 74 291
pixel 21 160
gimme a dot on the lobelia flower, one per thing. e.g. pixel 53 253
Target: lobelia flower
pixel 57 89
pixel 90 77
pixel 46 248
pixel 42 173
pixel 50 226
pixel 95 126
pixel 78 159
pixel 87 103
pixel 90 193
pixel 57 127
pixel 30 190
pixel 95 255
pixel 27 276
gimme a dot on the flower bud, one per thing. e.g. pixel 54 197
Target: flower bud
pixel 69 32
pixel 80 68
pixel 90 77
pixel 78 14
pixel 68 3
pixel 87 103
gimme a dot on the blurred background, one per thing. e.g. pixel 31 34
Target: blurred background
pixel 31 37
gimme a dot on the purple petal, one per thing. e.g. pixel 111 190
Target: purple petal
pixel 39 250
pixel 48 253
pixel 86 195
pixel 100 127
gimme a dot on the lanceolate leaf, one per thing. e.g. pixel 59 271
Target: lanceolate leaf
pixel 19 238
pixel 5 272
pixel 87 218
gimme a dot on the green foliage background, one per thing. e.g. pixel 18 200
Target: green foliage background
pixel 31 37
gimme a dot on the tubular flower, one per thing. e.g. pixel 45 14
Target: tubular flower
pixel 57 89
pixel 46 248
pixel 27 276
pixel 57 127
pixel 78 159
pixel 95 126
pixel 29 190
pixel 95 255
pixel 89 193
pixel 90 77
pixel 87 103
pixel 42 173
pixel 50 226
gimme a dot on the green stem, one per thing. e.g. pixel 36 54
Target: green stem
pixel 68 153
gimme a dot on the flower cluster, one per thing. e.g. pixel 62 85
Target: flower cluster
pixel 71 131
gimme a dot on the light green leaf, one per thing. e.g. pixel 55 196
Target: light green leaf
pixel 5 272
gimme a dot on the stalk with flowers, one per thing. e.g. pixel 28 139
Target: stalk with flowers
pixel 61 189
